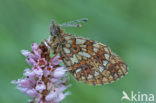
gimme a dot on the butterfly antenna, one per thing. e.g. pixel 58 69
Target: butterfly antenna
pixel 75 23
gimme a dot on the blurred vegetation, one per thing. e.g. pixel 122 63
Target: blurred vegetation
pixel 127 26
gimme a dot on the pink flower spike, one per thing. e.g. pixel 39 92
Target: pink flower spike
pixel 44 82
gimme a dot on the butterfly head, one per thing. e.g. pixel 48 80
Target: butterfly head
pixel 54 29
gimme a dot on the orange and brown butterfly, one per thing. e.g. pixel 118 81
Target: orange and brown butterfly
pixel 87 60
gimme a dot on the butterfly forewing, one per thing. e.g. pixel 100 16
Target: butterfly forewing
pixel 88 61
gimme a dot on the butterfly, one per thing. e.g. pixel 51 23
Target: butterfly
pixel 87 60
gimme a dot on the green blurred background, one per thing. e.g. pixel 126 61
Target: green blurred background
pixel 127 26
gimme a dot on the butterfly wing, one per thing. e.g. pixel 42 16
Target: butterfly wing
pixel 91 62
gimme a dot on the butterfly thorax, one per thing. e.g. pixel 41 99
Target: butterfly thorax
pixel 56 38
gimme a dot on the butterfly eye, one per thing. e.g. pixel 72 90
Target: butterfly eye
pixel 57 30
